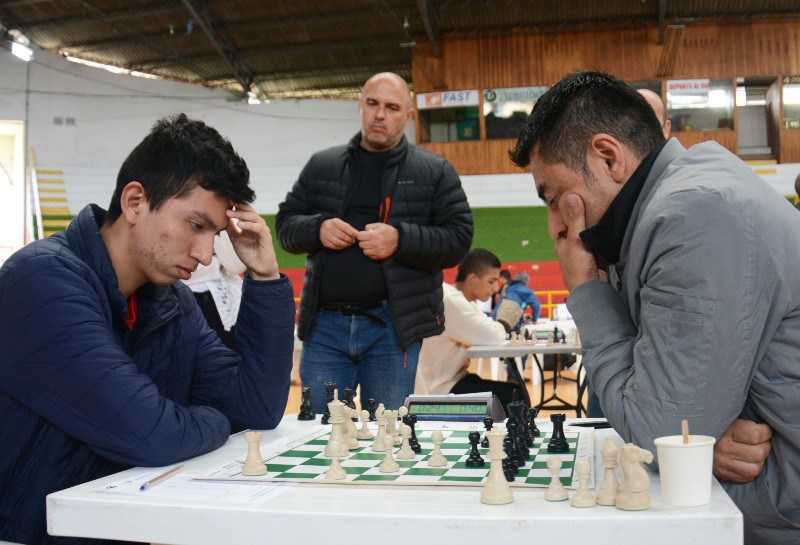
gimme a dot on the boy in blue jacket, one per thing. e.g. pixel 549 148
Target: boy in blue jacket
pixel 107 361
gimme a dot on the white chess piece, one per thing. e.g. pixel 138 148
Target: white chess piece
pixel 254 463
pixel 335 471
pixel 389 464
pixel 437 459
pixel 632 494
pixel 336 408
pixel 583 497
pixel 364 432
pixel 401 412
pixel 555 490
pixel 405 452
pixel 349 429
pixel 607 493
pixel 496 490
pixel 391 426
pixel 377 445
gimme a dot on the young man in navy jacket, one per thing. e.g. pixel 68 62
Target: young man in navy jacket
pixel 107 360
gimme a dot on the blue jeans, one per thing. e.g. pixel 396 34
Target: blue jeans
pixel 357 351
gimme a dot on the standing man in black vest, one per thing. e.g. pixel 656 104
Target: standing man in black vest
pixel 379 219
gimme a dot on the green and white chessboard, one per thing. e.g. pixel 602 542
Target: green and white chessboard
pixel 300 458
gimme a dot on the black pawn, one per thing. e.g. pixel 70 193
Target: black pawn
pixel 487 423
pixel 474 459
pixel 372 406
pixel 558 441
pixel 306 410
pixel 329 389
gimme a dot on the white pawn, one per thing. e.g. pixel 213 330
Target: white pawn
pixel 405 452
pixel 364 432
pixel 607 493
pixel 555 490
pixel 437 459
pixel 389 464
pixel 496 490
pixel 583 497
pixel 254 463
pixel 335 471
pixel 377 445
pixel 401 412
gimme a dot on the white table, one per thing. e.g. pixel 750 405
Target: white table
pixel 333 514
pixel 510 350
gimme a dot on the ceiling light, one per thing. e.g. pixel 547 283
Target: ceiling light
pixel 21 51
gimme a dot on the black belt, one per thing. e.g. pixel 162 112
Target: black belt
pixel 355 310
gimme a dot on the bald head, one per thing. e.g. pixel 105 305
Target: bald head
pixel 385 107
pixel 655 102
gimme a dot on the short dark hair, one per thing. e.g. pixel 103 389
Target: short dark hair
pixel 476 262
pixel 178 155
pixel 581 105
pixel 506 274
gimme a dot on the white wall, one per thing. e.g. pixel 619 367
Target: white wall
pixel 112 113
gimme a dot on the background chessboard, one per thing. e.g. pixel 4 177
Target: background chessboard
pixel 300 458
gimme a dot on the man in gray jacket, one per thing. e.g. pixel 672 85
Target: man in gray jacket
pixel 682 270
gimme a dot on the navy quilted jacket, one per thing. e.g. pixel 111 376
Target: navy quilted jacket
pixel 82 396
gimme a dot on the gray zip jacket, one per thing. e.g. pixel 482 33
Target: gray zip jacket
pixel 701 320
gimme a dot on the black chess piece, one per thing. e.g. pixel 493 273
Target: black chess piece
pixel 330 386
pixel 474 459
pixel 509 460
pixel 372 406
pixel 515 451
pixel 509 470
pixel 556 334
pixel 410 420
pixel 348 397
pixel 487 423
pixel 535 432
pixel 558 441
pixel 306 410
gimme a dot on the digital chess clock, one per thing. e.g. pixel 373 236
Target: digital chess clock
pixel 469 408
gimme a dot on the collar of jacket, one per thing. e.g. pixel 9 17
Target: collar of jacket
pixel 607 236
pixel 396 154
pixel 83 237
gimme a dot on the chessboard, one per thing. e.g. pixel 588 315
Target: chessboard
pixel 299 458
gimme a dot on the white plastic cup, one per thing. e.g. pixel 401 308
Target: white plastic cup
pixel 685 469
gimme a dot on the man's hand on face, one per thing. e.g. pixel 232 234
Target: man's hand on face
pixel 740 453
pixel 252 242
pixel 578 264
pixel 336 234
pixel 378 240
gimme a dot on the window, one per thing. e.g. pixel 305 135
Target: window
pixel 505 110
pixel 449 116
pixel 791 102
pixel 700 104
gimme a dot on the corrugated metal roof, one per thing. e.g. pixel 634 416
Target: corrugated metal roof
pixel 321 48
